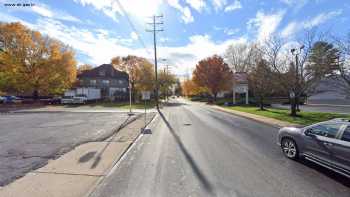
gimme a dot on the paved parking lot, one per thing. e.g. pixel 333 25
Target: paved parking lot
pixel 28 140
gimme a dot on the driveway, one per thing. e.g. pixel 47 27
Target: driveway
pixel 29 139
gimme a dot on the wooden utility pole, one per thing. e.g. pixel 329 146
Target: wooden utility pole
pixel 155 23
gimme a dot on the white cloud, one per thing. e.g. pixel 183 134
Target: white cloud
pixel 219 4
pixel 290 29
pixel 186 14
pixel 230 32
pixel 294 26
pixel 8 18
pixel 45 11
pixel 135 8
pixel 198 5
pixel 321 18
pixel 200 47
pixel 133 35
pixel 234 6
pixel 98 46
pixel 265 24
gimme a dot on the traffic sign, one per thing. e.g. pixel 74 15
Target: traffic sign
pixel 146 95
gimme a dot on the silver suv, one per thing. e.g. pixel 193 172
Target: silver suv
pixel 325 143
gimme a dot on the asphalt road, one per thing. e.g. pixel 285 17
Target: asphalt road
pixel 197 151
pixel 29 140
pixel 319 108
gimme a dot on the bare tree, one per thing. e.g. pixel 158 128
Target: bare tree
pixel 342 72
pixel 294 71
pixel 240 57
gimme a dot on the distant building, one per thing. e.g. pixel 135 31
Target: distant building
pixel 330 91
pixel 112 82
pixel 240 87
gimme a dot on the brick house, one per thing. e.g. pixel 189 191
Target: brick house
pixel 112 82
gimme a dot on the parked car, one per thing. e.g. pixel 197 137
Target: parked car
pixel 325 143
pixel 67 100
pixel 80 99
pixel 55 100
pixel 12 99
pixel 2 99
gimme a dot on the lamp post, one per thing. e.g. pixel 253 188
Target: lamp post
pixel 295 92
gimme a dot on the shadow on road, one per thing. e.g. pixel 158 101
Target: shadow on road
pixel 97 158
pixel 329 173
pixel 203 180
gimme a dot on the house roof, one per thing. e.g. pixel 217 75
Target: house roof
pixel 104 71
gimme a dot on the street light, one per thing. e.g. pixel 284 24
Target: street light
pixel 296 52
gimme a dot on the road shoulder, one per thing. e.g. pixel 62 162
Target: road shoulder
pixel 269 121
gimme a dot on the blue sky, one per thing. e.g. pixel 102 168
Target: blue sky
pixel 193 29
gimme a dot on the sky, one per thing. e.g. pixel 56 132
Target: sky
pixel 193 29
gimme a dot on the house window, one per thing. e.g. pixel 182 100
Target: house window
pixel 93 82
pixel 102 73
pixel 105 82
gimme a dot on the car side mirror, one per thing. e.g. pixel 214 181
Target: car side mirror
pixel 308 132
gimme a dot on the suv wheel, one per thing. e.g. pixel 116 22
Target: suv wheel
pixel 289 148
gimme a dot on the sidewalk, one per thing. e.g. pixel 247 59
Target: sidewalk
pixel 80 170
pixel 270 121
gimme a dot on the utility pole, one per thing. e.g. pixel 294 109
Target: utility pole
pixel 156 21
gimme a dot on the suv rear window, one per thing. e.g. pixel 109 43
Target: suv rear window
pixel 346 134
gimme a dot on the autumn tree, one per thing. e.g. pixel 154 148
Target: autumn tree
pixel 214 74
pixel 166 80
pixel 84 67
pixel 140 70
pixel 33 63
pixel 145 77
pixel 189 88
pixel 178 87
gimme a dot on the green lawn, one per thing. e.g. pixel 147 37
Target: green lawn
pixel 123 105
pixel 304 118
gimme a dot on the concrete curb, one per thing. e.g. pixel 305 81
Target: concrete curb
pixel 120 158
pixel 265 120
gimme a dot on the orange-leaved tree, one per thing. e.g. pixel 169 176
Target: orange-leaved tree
pixel 84 67
pixel 214 74
pixel 140 70
pixel 33 63
pixel 189 88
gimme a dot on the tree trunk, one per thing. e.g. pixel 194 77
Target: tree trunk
pixel 215 95
pixel 35 94
pixel 261 103
pixel 293 107
pixel 297 100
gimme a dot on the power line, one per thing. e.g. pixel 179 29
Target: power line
pixel 133 27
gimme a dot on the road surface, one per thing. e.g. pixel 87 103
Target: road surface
pixel 28 140
pixel 195 150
